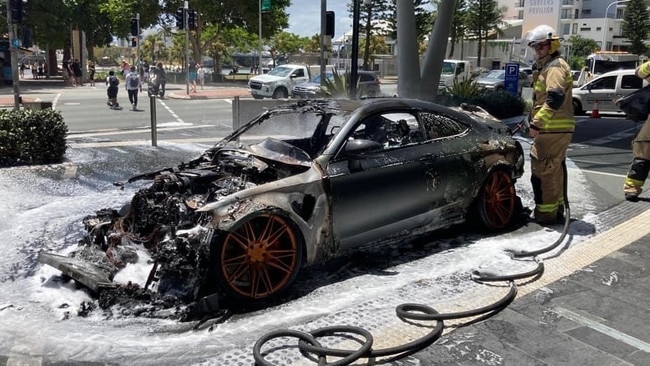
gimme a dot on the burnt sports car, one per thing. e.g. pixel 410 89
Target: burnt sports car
pixel 298 185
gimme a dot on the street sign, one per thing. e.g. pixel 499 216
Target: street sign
pixel 512 78
pixel 16 42
pixel 266 5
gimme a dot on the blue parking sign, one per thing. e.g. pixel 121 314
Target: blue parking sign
pixel 512 78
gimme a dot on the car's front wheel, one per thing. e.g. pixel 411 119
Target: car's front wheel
pixel 577 108
pixel 280 93
pixel 497 201
pixel 259 259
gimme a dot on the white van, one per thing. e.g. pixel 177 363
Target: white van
pixel 606 89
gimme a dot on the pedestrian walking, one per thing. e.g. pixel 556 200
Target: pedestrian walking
pixel 638 172
pixel 91 73
pixel 133 86
pixel 191 71
pixel 552 124
pixel 158 81
pixel 112 81
pixel 75 68
pixel 21 70
pixel 200 75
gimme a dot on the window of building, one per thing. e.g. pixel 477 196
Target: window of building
pixel 574 28
pixel 566 28
pixel 586 11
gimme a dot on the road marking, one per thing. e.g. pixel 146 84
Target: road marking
pixel 179 119
pixel 627 339
pixel 199 140
pixel 603 173
pixel 229 101
pixel 126 132
pixel 55 101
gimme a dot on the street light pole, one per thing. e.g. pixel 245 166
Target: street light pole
pixel 603 46
pixel 259 61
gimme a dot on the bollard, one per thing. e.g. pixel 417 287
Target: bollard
pixel 152 108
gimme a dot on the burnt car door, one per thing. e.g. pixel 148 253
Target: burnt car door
pixel 382 182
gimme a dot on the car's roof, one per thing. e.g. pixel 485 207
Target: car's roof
pixel 618 72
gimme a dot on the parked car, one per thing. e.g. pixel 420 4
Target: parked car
pixel 298 185
pixel 369 86
pixel 605 90
pixel 495 80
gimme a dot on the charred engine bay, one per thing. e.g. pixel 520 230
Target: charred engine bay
pixel 162 223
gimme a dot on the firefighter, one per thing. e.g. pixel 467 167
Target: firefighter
pixel 640 150
pixel 551 124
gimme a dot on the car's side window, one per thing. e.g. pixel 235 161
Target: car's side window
pixel 299 73
pixel 631 82
pixel 604 83
pixel 439 125
pixel 390 129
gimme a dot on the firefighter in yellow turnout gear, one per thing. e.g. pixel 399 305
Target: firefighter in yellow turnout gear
pixel 640 151
pixel 552 124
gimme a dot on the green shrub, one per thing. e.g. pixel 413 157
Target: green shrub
pixel 29 137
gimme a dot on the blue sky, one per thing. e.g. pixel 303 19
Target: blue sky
pixel 304 17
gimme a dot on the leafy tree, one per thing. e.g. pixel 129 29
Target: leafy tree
pixel 458 26
pixel 635 26
pixel 313 44
pixel 285 43
pixel 581 48
pixel 377 45
pixel 483 20
pixel 214 18
pixel 423 19
pixel 369 15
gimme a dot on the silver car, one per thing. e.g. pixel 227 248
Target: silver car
pixel 495 80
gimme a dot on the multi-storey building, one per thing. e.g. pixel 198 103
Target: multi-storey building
pixel 596 19
pixel 600 20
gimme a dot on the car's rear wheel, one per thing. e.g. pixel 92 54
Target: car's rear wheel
pixel 259 259
pixel 497 201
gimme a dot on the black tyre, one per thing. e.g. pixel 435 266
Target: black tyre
pixel 577 108
pixel 280 93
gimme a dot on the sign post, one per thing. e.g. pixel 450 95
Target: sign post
pixel 511 82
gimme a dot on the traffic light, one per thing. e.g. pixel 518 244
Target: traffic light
pixel 17 11
pixel 329 23
pixel 191 19
pixel 179 18
pixel 135 29
pixel 27 37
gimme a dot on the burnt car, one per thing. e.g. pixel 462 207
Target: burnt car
pixel 298 185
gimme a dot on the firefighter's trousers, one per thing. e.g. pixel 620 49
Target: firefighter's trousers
pixel 547 175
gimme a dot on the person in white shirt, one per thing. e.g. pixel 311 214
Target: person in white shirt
pixel 133 85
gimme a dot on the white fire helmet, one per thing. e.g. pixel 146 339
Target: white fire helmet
pixel 542 33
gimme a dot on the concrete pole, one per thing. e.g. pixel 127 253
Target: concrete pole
pixel 408 64
pixel 186 8
pixel 259 26
pixel 436 50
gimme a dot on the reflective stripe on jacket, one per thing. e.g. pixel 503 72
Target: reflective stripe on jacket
pixel 554 78
pixel 643 71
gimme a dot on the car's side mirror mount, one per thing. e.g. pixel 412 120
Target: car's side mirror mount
pixel 356 150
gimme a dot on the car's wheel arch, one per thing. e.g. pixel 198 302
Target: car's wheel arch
pixel 578 110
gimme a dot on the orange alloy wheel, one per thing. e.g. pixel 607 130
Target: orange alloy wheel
pixel 261 257
pixel 498 200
